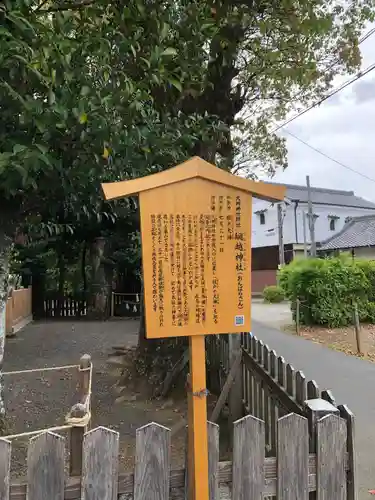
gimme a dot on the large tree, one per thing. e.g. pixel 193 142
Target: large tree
pixel 77 107
pixel 149 83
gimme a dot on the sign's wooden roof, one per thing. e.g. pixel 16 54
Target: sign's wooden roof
pixel 194 168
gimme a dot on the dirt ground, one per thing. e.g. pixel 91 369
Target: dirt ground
pixel 39 400
pixel 340 339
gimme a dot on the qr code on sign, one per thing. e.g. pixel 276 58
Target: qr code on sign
pixel 239 320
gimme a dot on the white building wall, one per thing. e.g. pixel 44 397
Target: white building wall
pixel 267 234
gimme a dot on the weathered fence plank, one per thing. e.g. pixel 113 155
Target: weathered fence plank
pixel 281 371
pixel 293 458
pixel 330 458
pixel 213 460
pixel 347 415
pixel 45 467
pixel 290 374
pixel 5 457
pixel 312 390
pixel 152 461
pixel 248 459
pixel 100 465
pixel 301 389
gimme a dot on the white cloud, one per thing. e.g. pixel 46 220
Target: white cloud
pixel 344 128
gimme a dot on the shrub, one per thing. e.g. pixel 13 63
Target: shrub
pixel 327 289
pixel 273 294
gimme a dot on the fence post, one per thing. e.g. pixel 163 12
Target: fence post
pixel 357 328
pixel 315 410
pixel 79 411
pixel 84 376
pixel 297 316
pixel 76 441
pixel 236 391
pixel 112 304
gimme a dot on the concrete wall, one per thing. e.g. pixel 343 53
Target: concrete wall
pixel 367 253
pixel 267 234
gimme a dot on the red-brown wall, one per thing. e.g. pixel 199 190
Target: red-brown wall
pixel 261 279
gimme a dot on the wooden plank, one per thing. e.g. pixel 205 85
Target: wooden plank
pixel 278 391
pixel 301 389
pixel 254 344
pixel 248 459
pixel 281 371
pixel 45 467
pixel 152 463
pixel 266 357
pixel 293 458
pixel 236 388
pixel 232 375
pixel 100 465
pixel 76 441
pixel 259 354
pixel 290 374
pixel 197 419
pixel 266 414
pixel 330 462
pixel 213 460
pixel 347 415
pixel 5 457
pixel 328 396
pixel 273 364
pixel 312 390
pixel 126 481
pixel 273 424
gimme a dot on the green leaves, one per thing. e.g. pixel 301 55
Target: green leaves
pixel 169 51
pixel 85 90
pixel 83 118
pixel 176 84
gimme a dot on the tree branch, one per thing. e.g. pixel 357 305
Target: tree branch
pixel 64 7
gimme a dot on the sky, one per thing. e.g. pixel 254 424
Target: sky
pixel 344 128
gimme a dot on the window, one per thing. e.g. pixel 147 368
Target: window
pixel 262 218
pixel 332 222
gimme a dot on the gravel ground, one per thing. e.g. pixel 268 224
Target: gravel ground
pixel 340 339
pixel 35 401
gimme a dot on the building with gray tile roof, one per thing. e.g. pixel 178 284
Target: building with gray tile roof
pixel 357 232
pixel 323 196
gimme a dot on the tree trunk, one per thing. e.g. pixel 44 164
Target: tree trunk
pixel 100 287
pixel 4 275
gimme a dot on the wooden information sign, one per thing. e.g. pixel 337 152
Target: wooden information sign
pixel 196 253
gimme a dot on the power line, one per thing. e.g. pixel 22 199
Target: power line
pixel 356 77
pixel 330 157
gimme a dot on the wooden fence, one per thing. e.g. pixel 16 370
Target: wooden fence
pixel 291 473
pixel 266 386
pixel 74 306
pixel 126 305
pixel 18 310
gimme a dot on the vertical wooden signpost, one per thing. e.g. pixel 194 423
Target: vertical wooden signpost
pixel 196 254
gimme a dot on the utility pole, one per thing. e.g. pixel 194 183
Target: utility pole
pixel 311 219
pixel 281 235
pixel 304 235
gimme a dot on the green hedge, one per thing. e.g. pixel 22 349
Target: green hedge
pixel 328 288
pixel 273 294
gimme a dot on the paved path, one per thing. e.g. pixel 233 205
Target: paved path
pixel 351 380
